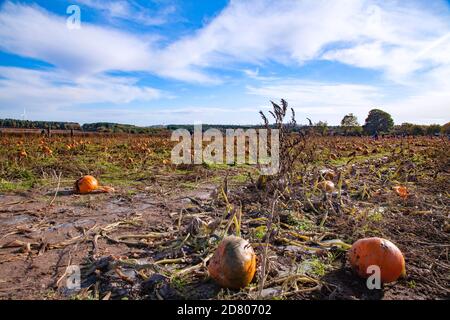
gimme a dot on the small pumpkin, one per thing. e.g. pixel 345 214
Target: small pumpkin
pixel 88 184
pixel 401 191
pixel 328 174
pixel 47 150
pixel 233 264
pixel 447 227
pixel 377 252
pixel 326 185
pixel 23 154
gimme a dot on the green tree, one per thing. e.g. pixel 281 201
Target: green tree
pixel 406 128
pixel 350 120
pixel 354 131
pixel 433 129
pixel 446 128
pixel 417 130
pixel 322 127
pixel 378 121
pixel 350 125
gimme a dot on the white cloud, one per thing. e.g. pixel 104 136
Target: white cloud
pixel 428 99
pixel 408 42
pixel 373 34
pixel 364 33
pixel 46 91
pixel 425 100
pixel 322 101
pixel 130 11
pixel 32 32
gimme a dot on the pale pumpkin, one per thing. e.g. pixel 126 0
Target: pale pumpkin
pixel 328 174
pixel 233 264
pixel 326 185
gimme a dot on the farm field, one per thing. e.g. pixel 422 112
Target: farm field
pixel 153 237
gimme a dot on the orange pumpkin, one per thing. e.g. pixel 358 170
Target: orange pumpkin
pixel 233 265
pixel 86 184
pixel 23 154
pixel 401 191
pixel 377 252
pixel 326 185
pixel 47 150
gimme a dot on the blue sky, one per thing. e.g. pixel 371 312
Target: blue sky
pixel 172 61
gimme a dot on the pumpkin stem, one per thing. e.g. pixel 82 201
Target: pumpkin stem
pixel 106 189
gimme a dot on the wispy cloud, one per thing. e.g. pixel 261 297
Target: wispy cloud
pixel 370 34
pixel 32 32
pixel 360 33
pixel 322 100
pixel 131 11
pixel 408 43
pixel 49 90
pixel 423 100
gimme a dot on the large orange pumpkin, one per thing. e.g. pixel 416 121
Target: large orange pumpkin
pixel 379 252
pixel 233 265
pixel 86 184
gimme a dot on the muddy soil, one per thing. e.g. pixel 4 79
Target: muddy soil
pixel 30 218
pixel 42 235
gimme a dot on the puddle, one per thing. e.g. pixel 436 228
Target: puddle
pixel 79 223
pixel 15 220
pixel 114 208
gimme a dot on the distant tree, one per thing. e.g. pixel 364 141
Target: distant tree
pixel 433 129
pixel 353 131
pixel 350 120
pixel 417 130
pixel 322 127
pixel 378 122
pixel 403 129
pixel 350 125
pixel 446 128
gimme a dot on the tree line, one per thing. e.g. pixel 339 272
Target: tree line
pixel 107 127
pixel 27 124
pixel 378 122
pixel 104 127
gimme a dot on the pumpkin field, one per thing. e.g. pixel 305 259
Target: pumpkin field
pixel 141 227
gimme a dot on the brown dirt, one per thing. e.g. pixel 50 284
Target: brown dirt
pixel 133 243
pixel 27 217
